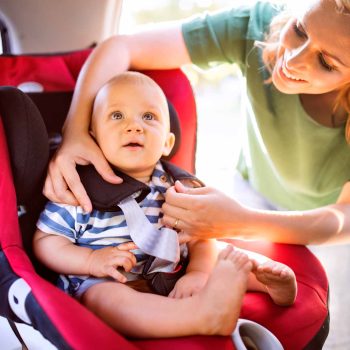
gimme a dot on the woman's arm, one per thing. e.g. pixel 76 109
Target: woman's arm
pixel 208 213
pixel 162 47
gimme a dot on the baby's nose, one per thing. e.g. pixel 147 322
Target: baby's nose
pixel 134 126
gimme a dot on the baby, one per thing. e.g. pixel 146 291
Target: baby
pixel 97 259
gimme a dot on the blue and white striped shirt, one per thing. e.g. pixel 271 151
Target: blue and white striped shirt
pixel 100 229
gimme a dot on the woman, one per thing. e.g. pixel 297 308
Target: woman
pixel 298 80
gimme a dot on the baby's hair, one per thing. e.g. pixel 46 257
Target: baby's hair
pixel 270 50
pixel 135 78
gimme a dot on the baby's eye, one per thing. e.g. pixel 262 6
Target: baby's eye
pixel 117 116
pixel 148 116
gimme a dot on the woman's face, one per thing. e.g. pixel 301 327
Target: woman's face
pixel 314 51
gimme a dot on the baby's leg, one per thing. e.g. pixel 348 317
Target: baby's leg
pixel 276 279
pixel 214 310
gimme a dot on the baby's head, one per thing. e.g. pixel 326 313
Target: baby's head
pixel 130 122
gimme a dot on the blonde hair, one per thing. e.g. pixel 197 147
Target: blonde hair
pixel 132 77
pixel 343 6
pixel 270 50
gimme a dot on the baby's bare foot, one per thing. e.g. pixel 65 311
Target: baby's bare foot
pixel 279 280
pixel 222 296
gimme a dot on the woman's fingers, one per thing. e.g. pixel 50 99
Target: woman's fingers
pixel 184 237
pixel 174 217
pixel 57 190
pixel 179 187
pixel 63 183
pixel 101 165
pixel 72 179
pixel 185 199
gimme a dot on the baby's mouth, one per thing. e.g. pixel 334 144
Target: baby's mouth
pixel 133 145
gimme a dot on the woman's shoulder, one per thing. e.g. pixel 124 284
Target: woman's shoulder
pixel 262 13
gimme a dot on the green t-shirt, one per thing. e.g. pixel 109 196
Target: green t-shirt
pixel 291 159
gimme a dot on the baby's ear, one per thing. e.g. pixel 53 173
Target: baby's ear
pixel 169 144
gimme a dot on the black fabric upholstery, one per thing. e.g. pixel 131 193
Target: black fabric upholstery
pixel 175 128
pixel 104 195
pixel 27 141
pixel 53 107
pixel 28 145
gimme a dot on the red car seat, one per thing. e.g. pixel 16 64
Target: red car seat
pixel 24 153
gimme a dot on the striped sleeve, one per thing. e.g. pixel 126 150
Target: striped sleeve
pixel 59 219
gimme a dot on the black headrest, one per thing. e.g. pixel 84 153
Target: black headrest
pixel 54 106
pixel 27 140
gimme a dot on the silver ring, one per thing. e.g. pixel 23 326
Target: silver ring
pixel 176 223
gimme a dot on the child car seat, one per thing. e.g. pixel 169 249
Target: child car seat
pixel 32 299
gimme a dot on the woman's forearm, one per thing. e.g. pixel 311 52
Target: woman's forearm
pixel 330 224
pixel 208 213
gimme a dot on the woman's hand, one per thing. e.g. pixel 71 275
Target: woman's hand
pixel 62 183
pixel 202 213
pixel 105 261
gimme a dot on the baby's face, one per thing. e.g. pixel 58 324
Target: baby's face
pixel 131 125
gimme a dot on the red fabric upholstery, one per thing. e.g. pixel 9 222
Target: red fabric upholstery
pixel 294 326
pixel 53 72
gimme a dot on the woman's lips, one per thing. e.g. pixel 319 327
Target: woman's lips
pixel 286 75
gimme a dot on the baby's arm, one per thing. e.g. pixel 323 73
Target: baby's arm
pixel 203 255
pixel 63 256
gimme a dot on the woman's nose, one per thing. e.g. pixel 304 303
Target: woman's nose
pixel 297 58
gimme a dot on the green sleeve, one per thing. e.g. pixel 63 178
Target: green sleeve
pixel 227 36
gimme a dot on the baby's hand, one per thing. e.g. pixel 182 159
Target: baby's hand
pixel 189 284
pixel 104 262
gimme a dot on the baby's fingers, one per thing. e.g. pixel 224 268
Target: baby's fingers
pixel 125 261
pixel 127 246
pixel 112 272
pixel 172 293
pixel 175 293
